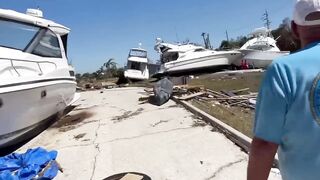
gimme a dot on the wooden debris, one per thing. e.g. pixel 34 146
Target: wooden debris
pixel 191 96
pixel 240 90
pixel 199 93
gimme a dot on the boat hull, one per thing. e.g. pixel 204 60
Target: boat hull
pixel 136 74
pixel 31 106
pixel 259 59
pixel 201 63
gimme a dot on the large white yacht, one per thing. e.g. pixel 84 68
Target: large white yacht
pixel 188 57
pixel 137 65
pixel 261 50
pixel 36 81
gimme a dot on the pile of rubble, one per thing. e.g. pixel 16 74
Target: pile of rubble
pixel 241 98
pixel 229 99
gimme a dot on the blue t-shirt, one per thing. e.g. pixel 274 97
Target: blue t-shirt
pixel 288 112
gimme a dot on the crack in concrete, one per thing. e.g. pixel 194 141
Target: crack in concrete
pixel 98 149
pixel 144 135
pixel 224 167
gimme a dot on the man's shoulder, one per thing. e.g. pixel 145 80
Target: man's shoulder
pixel 299 58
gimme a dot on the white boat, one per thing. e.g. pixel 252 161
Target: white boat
pixel 189 57
pixel 36 81
pixel 137 66
pixel 261 50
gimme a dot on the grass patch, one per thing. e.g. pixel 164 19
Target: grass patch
pixel 237 117
pixel 230 82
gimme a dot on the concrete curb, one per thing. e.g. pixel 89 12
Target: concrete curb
pixel 234 135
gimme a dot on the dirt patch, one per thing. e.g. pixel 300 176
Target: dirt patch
pixel 73 121
pixel 127 115
pixel 79 136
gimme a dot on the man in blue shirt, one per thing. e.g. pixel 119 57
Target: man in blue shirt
pixel 288 109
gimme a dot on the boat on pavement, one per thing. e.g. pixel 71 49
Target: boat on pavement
pixel 261 50
pixel 137 65
pixel 36 80
pixel 177 58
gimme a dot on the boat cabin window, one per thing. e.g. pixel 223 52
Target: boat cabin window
pixel 64 39
pixel 48 46
pixel 16 35
pixel 199 50
pixel 138 53
pixel 169 56
pixel 134 65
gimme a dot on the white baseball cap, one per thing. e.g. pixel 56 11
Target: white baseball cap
pixel 307 12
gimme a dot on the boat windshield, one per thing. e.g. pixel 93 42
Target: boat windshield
pixel 138 53
pixel 16 35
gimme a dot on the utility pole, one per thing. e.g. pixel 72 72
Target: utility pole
pixel 266 19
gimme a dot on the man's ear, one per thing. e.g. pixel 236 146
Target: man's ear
pixel 294 29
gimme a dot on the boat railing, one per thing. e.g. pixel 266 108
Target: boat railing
pixel 28 61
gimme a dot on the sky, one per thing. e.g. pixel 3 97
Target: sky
pixel 103 29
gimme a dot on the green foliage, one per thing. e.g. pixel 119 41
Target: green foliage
pixel 234 43
pixel 283 35
pixel 285 39
pixel 108 70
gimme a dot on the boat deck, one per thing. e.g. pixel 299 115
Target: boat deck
pixel 111 132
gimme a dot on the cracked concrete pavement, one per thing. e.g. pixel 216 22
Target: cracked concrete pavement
pixel 110 133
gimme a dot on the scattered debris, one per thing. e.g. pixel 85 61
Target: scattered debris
pixel 79 136
pixel 188 97
pixel 160 122
pixel 226 98
pixel 127 115
pixel 73 121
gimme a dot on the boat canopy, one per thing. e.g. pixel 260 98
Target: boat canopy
pixel 263 31
pixel 138 59
pixel 37 21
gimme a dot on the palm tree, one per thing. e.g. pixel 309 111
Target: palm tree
pixel 110 66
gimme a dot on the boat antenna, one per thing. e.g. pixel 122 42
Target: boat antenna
pixel 227 35
pixel 266 19
pixel 177 37
pixel 140 45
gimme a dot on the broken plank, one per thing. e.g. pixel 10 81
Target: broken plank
pixel 217 93
pixel 191 96
pixel 240 90
pixel 236 103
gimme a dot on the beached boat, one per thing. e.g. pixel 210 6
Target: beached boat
pixel 137 65
pixel 36 80
pixel 261 50
pixel 189 57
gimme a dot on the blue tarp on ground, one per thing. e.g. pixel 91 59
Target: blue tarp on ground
pixel 28 165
